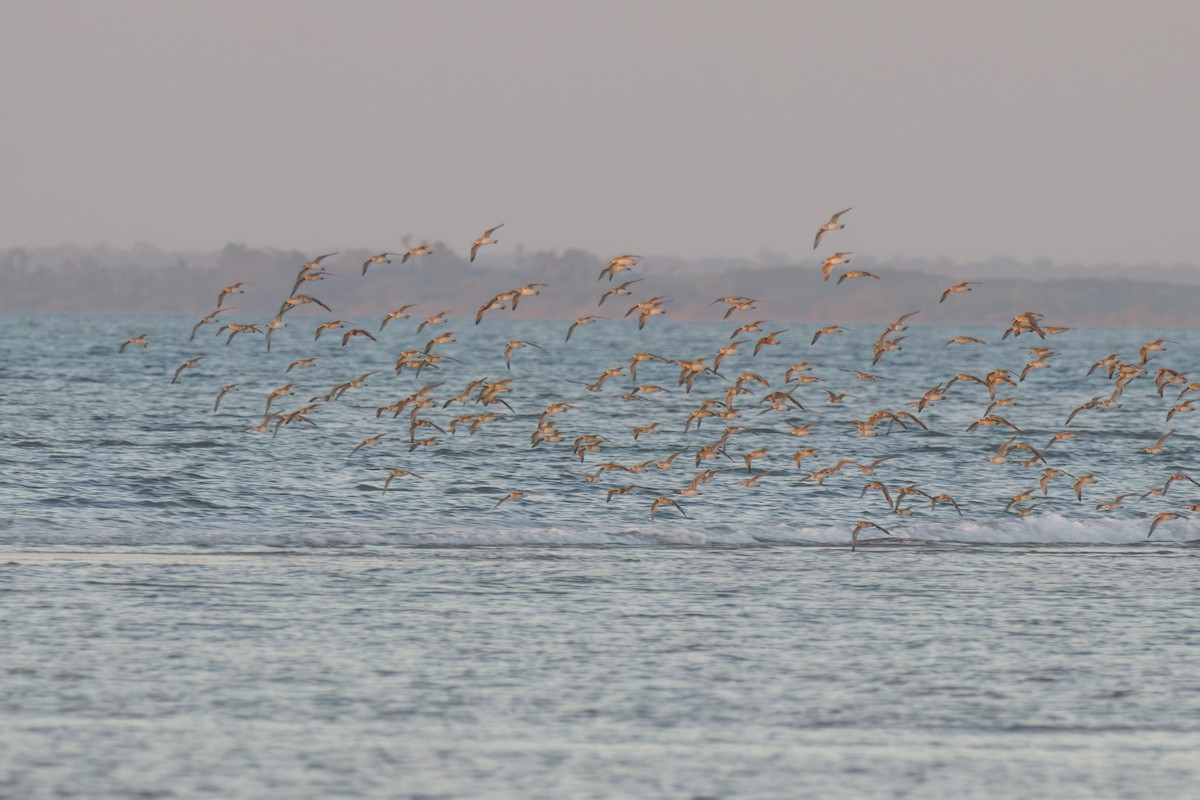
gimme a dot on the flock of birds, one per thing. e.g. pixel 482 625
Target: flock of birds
pixel 747 396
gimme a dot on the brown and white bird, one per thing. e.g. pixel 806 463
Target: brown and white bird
pixel 587 320
pixel 139 340
pixel 485 239
pixel 422 250
pixel 832 225
pixel 229 290
pixel 187 364
pixel 378 258
pixel 965 286
pixel 834 260
pixel 858 528
pixel 1161 518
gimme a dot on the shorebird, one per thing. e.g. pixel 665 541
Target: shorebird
pixel 316 262
pixel 398 473
pixel 587 320
pixel 282 391
pixel 856 273
pixel 879 487
pixel 1161 518
pixel 749 327
pixel 187 364
pixel 834 260
pixel 333 324
pixel 378 258
pixel 760 452
pixel 370 441
pixel 664 501
pixel 964 340
pixel 303 363
pixel 528 290
pixel 233 387
pixel 422 250
pixel 618 264
pixel 495 304
pixel 990 420
pixel 485 239
pixel 1080 482
pixel 1157 448
pixel 513 345
pixel 235 328
pixel 771 338
pixel 436 319
pixel 517 495
pixel 209 320
pixel 1060 437
pixel 350 334
pixel 1150 347
pixel 1115 503
pixel 965 286
pixel 299 299
pixel 944 499
pixel 1181 408
pixel 229 290
pixel 828 329
pixel 832 225
pixel 139 340
pixel 618 291
pixel 858 528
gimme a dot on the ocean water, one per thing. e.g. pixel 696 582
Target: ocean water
pixel 191 608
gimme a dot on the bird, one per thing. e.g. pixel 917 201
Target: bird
pixel 187 364
pixel 436 319
pixel 856 273
pixel 399 313
pixel 515 495
pixel 303 363
pixel 965 286
pixel 771 338
pixel 378 258
pixel 1080 482
pixel 828 329
pixel 513 345
pixel 333 324
pixel 485 239
pixel 832 225
pixel 282 391
pixel 232 289
pixel 619 290
pixel 210 319
pixel 139 340
pixel 370 441
pixel 398 473
pixel 858 528
pixel 587 320
pixel 421 250
pixel 350 334
pixel 233 387
pixel 1161 518
pixel 658 502
pixel 300 299
pixel 834 260
pixel 964 340
pixel 618 264
pixel 1157 448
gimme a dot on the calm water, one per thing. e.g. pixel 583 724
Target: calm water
pixel 194 609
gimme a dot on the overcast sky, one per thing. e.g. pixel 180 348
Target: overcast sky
pixel 1057 130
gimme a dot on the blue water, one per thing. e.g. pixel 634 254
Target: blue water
pixel 194 609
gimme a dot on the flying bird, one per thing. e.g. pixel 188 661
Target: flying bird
pixel 832 225
pixel 485 239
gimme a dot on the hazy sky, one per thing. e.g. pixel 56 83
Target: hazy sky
pixel 1058 130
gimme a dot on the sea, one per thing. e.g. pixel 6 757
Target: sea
pixel 207 602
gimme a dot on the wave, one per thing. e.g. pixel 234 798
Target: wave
pixel 1048 529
